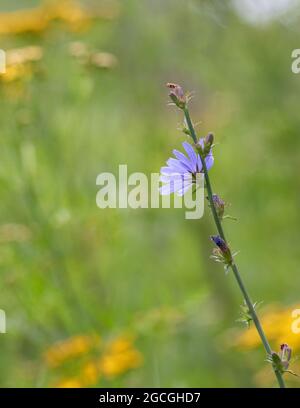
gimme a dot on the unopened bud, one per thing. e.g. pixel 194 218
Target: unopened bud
pixel 208 142
pixel 219 205
pixel 177 95
pixel 223 248
pixel 209 139
pixel 285 355
pixel 221 244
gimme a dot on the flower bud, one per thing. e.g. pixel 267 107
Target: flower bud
pixel 223 249
pixel 219 205
pixel 207 144
pixel 281 360
pixel 209 139
pixel 285 355
pixel 221 244
pixel 177 95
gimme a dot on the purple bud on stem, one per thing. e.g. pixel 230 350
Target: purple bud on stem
pixel 207 144
pixel 223 248
pixel 208 140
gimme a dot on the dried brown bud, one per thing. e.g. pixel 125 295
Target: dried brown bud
pixel 177 95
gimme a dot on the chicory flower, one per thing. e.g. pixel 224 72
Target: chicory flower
pixel 180 174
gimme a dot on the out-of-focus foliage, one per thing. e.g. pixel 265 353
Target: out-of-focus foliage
pixel 83 93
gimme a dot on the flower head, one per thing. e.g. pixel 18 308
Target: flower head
pixel 181 173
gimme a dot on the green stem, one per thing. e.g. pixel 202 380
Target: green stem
pixel 233 265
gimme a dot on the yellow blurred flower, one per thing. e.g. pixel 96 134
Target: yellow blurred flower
pixel 20 21
pixel 277 323
pixel 19 63
pixel 68 11
pixel 117 357
pixel 38 19
pixel 22 55
pixel 90 373
pixel 69 383
pixel 113 365
pixel 120 344
pixel 15 72
pixel 120 356
pixel 70 348
pixel 77 16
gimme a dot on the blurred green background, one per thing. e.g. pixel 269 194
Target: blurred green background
pixel 71 269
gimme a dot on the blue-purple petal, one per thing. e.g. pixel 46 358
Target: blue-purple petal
pixel 184 188
pixel 183 159
pixel 209 161
pixel 192 155
pixel 201 142
pixel 176 165
pixel 167 189
pixel 168 171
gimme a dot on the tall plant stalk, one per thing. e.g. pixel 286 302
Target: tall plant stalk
pixel 179 176
pixel 233 265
